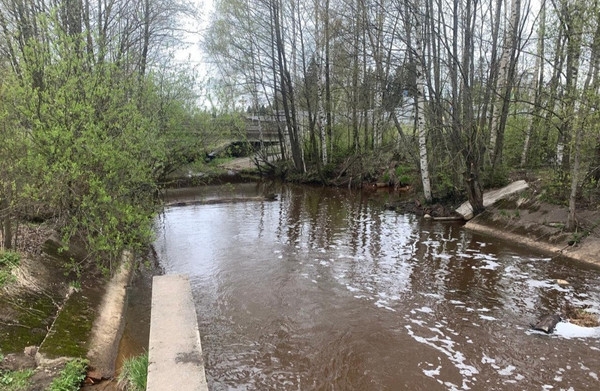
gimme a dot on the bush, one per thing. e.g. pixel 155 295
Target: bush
pixel 8 261
pixel 71 377
pixel 15 380
pixel 134 373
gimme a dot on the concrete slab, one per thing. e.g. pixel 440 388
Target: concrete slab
pixel 108 327
pixel 175 352
pixel 490 197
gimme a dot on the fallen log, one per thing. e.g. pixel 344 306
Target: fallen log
pixel 547 323
pixel 228 200
pixel 448 218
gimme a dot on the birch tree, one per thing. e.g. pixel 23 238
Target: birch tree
pixel 420 102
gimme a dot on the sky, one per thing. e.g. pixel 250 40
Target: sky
pixel 191 53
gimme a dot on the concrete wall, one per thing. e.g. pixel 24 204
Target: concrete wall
pixel 175 352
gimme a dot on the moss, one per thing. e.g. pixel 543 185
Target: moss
pixel 71 330
pixel 36 316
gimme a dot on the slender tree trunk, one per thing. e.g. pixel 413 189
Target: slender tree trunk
pixel 472 152
pixel 420 102
pixel 287 90
pixel 6 226
pixel 538 85
pixel 508 77
pixel 584 105
pixel 489 98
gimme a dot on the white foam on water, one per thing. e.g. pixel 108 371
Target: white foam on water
pixel 418 321
pixel 570 330
pixel 507 371
pixel 487 257
pixel 447 347
pixel 352 289
pixel 540 284
pixel 432 372
pixel 436 330
pixel 425 310
pixel 487 360
pixel 434 295
pixel 384 304
pixel 485 317
pixel 490 265
pixel 594 375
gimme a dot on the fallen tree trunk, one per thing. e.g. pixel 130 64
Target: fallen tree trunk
pixel 229 200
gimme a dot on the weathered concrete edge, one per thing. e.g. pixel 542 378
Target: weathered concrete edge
pixel 581 253
pixel 108 326
pixel 175 359
pixel 490 197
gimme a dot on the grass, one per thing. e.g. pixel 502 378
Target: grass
pixel 584 318
pixel 8 261
pixel 15 380
pixel 134 373
pixel 71 377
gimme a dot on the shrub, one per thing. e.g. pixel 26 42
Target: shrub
pixel 71 377
pixel 8 261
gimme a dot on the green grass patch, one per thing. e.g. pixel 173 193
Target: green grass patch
pixel 134 373
pixel 71 377
pixel 8 261
pixel 15 380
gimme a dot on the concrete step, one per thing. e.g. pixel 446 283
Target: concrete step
pixel 174 349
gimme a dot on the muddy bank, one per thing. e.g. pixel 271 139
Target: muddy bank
pixel 526 220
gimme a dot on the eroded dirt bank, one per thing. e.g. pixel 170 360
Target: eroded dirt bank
pixel 526 220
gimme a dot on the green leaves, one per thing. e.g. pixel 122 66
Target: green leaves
pixel 71 377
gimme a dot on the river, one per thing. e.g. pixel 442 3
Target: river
pixel 324 289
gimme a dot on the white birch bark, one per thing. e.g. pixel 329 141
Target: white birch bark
pixel 321 119
pixel 420 105
pixel 502 79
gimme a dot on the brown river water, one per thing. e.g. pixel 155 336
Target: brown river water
pixel 324 289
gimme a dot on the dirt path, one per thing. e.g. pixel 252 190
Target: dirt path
pixel 239 164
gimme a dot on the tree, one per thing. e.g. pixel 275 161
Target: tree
pixel 88 121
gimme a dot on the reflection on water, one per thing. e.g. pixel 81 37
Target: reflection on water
pixel 323 290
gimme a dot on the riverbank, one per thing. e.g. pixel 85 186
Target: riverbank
pixel 525 219
pixel 49 316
